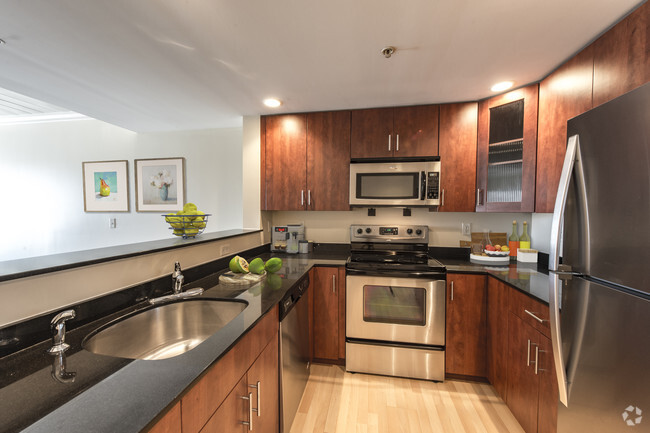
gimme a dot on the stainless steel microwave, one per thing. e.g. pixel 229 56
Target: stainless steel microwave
pixel 402 182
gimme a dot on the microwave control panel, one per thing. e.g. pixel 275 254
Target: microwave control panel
pixel 433 185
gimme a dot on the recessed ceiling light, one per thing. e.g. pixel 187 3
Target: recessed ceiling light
pixel 500 87
pixel 272 102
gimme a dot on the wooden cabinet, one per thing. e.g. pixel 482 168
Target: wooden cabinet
pixel 254 399
pixel 466 316
pixel 170 422
pixel 215 400
pixel 305 161
pixel 497 328
pixel 564 94
pixel 507 142
pixel 622 56
pixel 395 132
pixel 328 295
pixel 458 128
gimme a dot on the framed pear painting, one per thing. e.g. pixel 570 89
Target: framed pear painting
pixel 106 186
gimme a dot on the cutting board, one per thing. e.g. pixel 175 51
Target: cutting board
pixel 241 279
pixel 496 238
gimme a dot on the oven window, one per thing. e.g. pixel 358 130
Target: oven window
pixel 394 304
pixel 388 185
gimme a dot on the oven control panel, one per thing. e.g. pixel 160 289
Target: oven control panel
pixel 389 233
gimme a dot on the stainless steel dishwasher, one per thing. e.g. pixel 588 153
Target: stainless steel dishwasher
pixel 294 351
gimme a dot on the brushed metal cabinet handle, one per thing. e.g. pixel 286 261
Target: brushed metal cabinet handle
pixel 397 143
pixel 442 199
pixel 249 423
pixel 528 355
pixel 258 387
pixel 533 316
pixel 536 357
pixel 302 197
pixel 389 142
pixel 334 283
pixel 451 292
pixel 309 197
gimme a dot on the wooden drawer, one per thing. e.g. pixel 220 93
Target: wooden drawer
pixel 531 311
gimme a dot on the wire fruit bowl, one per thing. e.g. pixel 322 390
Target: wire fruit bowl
pixel 187 226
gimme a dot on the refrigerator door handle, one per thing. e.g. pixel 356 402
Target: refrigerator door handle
pixel 556 337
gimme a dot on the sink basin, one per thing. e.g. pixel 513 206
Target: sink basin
pixel 163 331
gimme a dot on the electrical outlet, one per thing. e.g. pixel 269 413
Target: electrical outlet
pixel 466 229
pixel 112 223
pixel 225 249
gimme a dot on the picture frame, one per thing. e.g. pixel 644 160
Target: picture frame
pixel 159 184
pixel 105 186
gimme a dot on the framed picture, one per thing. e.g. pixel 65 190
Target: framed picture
pixel 106 186
pixel 159 184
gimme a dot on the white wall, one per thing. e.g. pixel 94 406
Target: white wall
pixel 251 158
pixel 42 209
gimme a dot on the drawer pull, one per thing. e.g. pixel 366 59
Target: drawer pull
pixel 534 316
pixel 451 294
pixel 258 387
pixel 536 357
pixel 528 355
pixel 249 423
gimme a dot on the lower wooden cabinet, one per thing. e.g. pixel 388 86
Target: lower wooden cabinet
pixel 497 329
pixel 466 316
pixel 170 422
pixel 328 297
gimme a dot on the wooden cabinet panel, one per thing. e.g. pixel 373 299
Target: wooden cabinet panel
pixel 328 161
pixel 326 313
pixel 526 307
pixel 170 422
pixel 622 56
pixel 484 204
pixel 415 130
pixel 370 133
pixel 198 405
pixel 458 128
pixel 265 373
pixel 233 411
pixel 548 389
pixel 564 94
pixel 285 153
pixel 522 382
pixel 466 325
pixel 497 328
pixel 342 292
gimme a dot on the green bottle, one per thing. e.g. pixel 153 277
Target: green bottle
pixel 524 240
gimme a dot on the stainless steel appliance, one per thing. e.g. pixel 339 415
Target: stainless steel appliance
pixel 395 303
pixel 600 293
pixel 287 238
pixel 408 182
pixel 294 351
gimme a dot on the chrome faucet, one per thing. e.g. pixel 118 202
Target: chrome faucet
pixel 177 278
pixel 177 288
pixel 58 331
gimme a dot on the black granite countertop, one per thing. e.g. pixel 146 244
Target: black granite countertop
pixel 122 395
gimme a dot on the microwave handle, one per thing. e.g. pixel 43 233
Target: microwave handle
pixel 423 185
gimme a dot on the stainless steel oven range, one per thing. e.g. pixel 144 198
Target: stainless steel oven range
pixel 395 303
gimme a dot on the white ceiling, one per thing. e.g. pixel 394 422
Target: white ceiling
pixel 190 64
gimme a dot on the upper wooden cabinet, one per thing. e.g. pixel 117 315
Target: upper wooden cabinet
pixel 564 94
pixel 507 142
pixel 305 161
pixel 458 123
pixel 395 132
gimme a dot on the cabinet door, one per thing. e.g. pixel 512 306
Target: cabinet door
pixel 548 388
pixel 559 102
pixel 285 153
pixel 466 325
pixel 328 161
pixel 341 289
pixel 371 132
pixel 263 382
pixel 326 313
pixel 458 126
pixel 233 411
pixel 621 60
pixel 170 423
pixel 523 384
pixel 507 143
pixel 497 328
pixel 415 130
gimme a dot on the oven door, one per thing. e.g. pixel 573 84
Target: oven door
pixel 403 310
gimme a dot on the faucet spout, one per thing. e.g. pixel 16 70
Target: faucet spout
pixel 177 278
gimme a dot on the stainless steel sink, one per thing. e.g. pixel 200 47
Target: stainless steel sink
pixel 163 331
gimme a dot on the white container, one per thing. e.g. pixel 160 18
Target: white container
pixel 526 256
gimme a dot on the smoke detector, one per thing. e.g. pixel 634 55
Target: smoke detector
pixel 388 51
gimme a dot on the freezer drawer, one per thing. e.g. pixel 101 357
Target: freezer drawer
pixel 395 360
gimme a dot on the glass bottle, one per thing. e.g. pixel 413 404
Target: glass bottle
pixel 486 239
pixel 524 240
pixel 513 240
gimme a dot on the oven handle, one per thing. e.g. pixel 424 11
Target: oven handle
pixel 399 274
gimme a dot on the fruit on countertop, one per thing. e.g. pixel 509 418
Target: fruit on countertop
pixel 490 248
pixel 497 247
pixel 273 264
pixel 199 220
pixel 505 248
pixel 238 265
pixel 256 266
pixel 104 189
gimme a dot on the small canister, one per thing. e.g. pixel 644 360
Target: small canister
pixel 303 247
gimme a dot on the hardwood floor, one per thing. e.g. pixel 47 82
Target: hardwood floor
pixel 339 402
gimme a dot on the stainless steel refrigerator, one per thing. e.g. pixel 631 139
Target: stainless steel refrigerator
pixel 600 293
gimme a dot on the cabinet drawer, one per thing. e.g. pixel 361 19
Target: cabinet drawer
pixel 531 311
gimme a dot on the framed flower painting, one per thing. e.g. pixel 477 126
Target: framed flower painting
pixel 105 186
pixel 159 184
